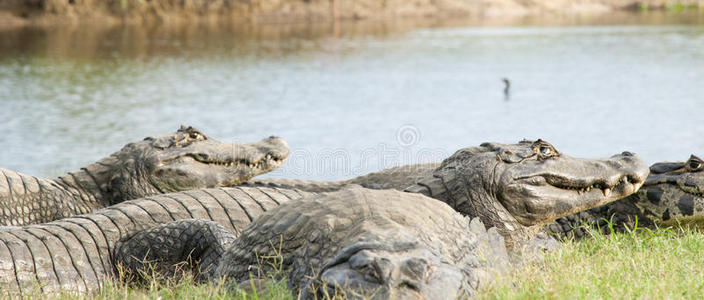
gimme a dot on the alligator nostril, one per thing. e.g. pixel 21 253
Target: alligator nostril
pixel 627 153
pixel 410 284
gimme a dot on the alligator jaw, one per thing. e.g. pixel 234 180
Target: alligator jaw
pixel 268 162
pixel 216 171
pixel 546 199
pixel 558 190
pixel 626 185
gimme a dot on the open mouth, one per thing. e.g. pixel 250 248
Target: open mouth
pixel 266 162
pixel 626 184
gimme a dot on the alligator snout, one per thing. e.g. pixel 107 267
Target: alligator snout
pixel 275 140
pixel 631 166
pixel 549 189
pixel 276 147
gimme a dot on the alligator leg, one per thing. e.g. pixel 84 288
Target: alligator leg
pixel 184 245
pixel 74 254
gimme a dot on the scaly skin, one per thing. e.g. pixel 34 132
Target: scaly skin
pixel 517 188
pixel 398 178
pixel 75 254
pixel 184 160
pixel 360 242
pixel 173 249
pixel 672 194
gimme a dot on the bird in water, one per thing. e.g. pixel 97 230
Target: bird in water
pixel 507 88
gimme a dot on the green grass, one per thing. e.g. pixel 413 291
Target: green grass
pixel 150 284
pixel 188 288
pixel 658 264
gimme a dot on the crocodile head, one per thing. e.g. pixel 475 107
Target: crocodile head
pixel 392 271
pixel 187 159
pixel 386 244
pixel 673 192
pixel 520 187
pixel 364 243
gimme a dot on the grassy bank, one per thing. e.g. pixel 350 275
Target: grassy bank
pixel 659 264
pixel 187 288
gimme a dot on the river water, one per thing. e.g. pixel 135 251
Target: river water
pixel 356 97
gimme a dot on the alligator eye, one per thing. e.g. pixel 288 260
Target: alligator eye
pixel 694 164
pixel 195 135
pixel 544 150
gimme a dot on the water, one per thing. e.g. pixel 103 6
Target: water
pixel 356 97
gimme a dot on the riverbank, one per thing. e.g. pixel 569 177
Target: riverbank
pixel 661 264
pixel 36 12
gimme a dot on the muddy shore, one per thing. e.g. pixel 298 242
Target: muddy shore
pixel 38 12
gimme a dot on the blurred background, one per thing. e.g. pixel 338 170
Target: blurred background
pixel 353 94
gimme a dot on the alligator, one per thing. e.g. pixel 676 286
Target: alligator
pixel 514 188
pixel 184 160
pixel 75 254
pixel 673 194
pixel 355 243
pixel 517 188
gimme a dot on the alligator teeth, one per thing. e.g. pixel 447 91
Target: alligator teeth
pixel 607 192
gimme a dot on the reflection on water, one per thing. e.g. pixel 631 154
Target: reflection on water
pixel 355 97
